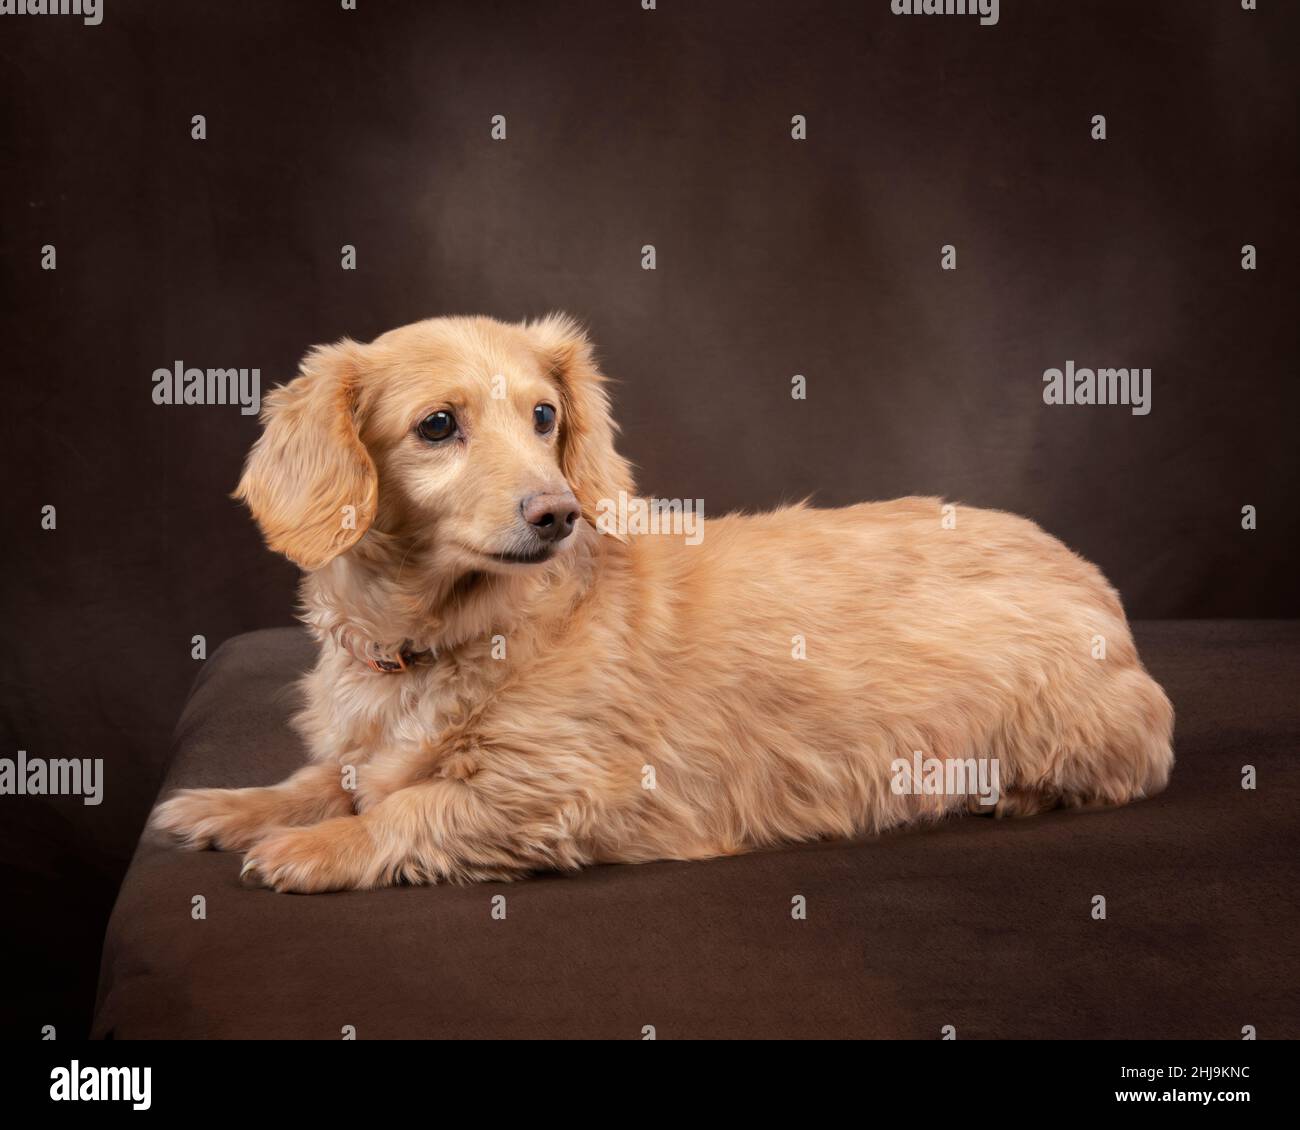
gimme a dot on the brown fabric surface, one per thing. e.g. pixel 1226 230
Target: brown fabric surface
pixel 981 924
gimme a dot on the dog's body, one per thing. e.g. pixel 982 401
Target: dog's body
pixel 626 699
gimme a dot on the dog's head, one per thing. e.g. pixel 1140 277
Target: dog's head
pixel 482 443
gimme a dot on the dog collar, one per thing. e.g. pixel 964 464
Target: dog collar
pixel 401 660
pixel 385 661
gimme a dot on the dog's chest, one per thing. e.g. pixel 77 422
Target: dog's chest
pixel 395 721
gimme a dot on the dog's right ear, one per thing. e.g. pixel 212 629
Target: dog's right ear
pixel 309 480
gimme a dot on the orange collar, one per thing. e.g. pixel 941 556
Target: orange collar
pixel 382 660
pixel 402 660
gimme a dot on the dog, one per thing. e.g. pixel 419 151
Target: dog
pixel 502 687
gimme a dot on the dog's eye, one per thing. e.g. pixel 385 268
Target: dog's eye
pixel 544 419
pixel 437 427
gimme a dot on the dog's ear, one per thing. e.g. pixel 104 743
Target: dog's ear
pixel 309 480
pixel 593 469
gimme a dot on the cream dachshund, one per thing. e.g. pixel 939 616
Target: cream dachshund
pixel 508 683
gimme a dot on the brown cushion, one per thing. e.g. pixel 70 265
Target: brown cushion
pixel 981 924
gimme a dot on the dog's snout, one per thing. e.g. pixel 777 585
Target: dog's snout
pixel 552 516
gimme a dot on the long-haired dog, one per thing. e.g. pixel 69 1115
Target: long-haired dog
pixel 504 687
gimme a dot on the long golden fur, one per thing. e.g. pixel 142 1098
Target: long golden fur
pixel 635 697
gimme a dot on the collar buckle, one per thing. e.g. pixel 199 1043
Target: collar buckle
pixel 388 666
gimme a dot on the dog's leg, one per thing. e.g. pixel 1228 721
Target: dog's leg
pixel 436 831
pixel 233 819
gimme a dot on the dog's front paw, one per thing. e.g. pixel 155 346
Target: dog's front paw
pixel 203 818
pixel 325 857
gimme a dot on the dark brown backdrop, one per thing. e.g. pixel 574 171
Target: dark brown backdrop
pixel 775 257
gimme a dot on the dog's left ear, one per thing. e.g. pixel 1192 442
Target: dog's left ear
pixel 593 469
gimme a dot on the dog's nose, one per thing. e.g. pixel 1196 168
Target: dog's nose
pixel 552 516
